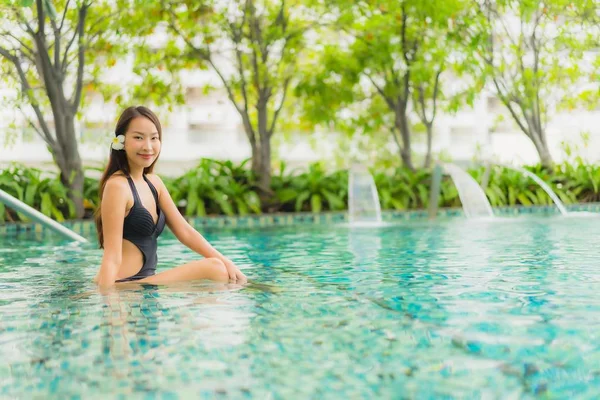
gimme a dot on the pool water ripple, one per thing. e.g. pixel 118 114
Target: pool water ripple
pixel 507 308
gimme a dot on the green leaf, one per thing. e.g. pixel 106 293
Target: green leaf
pixel 225 205
pixel 192 204
pixel 316 203
pixel 241 206
pixel 335 203
pixel 525 200
pixel 46 205
pixel 302 197
pixel 253 202
pixel 286 195
pixel 200 209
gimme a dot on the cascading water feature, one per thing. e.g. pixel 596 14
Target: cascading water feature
pixel 474 201
pixel 363 199
pixel 543 185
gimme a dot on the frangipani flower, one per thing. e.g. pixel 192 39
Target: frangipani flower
pixel 117 142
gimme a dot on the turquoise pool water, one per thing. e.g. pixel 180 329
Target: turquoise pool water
pixel 454 309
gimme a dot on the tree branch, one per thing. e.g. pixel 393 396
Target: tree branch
pixel 390 102
pixel 436 88
pixel 21 18
pixel 26 90
pixel 62 20
pixel 41 16
pixel 236 33
pixel 393 131
pixel 80 58
pixel 23 45
pixel 57 39
pixel 506 102
pixel 421 102
pixel 278 110
pixel 227 86
pixel 6 54
pixel 64 61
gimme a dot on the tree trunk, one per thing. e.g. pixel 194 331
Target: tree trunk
pixel 67 158
pixel 427 162
pixel 263 167
pixel 261 152
pixel 402 126
pixel 541 145
pixel 72 178
pixel 66 149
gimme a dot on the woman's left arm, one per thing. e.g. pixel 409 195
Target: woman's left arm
pixel 189 236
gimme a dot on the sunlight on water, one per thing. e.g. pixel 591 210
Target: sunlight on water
pixel 505 308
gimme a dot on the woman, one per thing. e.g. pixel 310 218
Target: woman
pixel 135 205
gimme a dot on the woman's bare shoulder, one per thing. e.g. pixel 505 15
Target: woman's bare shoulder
pixel 116 182
pixel 155 179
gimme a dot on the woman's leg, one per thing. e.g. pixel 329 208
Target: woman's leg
pixel 209 268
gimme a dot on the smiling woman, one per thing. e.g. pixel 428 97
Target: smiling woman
pixel 136 205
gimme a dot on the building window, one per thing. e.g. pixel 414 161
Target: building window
pixel 203 132
pixel 494 105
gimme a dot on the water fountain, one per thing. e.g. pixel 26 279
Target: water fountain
pixel 363 199
pixel 474 201
pixel 543 185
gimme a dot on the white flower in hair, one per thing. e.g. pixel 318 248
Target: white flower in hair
pixel 117 142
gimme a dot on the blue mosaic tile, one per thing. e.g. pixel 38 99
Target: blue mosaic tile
pixel 87 228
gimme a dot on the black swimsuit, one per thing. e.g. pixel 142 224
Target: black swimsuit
pixel 139 229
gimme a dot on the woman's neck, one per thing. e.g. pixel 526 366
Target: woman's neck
pixel 136 173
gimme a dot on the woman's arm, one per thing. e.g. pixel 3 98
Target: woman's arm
pixel 113 206
pixel 186 233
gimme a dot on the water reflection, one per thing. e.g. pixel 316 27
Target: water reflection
pixel 431 310
pixel 68 338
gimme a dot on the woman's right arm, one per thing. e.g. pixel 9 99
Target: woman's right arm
pixel 112 209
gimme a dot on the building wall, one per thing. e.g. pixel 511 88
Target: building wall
pixel 209 126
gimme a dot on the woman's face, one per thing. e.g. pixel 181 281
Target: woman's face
pixel 142 144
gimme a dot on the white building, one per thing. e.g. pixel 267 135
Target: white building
pixel 209 126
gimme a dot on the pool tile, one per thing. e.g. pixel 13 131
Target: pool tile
pixel 87 227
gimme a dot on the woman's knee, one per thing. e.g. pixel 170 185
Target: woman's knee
pixel 218 268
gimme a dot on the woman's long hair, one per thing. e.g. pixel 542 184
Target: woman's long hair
pixel 118 158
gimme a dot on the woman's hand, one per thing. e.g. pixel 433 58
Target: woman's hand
pixel 235 275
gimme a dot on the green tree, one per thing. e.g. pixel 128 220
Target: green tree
pixel 442 75
pixel 45 50
pixel 390 64
pixel 252 45
pixel 533 53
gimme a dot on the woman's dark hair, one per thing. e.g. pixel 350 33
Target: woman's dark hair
pixel 118 158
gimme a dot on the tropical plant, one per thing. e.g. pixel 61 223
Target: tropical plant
pixel 404 189
pixel 215 187
pixel 44 192
pixel 312 190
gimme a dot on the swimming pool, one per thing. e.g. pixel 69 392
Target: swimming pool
pixel 447 309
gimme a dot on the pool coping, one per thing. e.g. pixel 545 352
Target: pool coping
pixel 87 228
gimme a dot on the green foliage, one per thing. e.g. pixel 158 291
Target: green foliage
pixel 391 55
pixel 404 189
pixel 508 187
pixel 313 190
pixel 540 61
pixel 262 40
pixel 41 191
pixel 223 187
pixel 215 187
